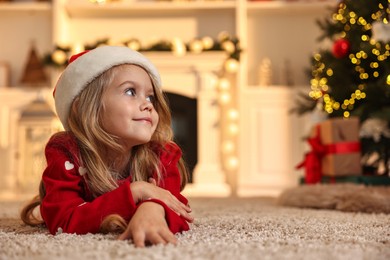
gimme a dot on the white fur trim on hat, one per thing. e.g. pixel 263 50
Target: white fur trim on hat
pixel 87 67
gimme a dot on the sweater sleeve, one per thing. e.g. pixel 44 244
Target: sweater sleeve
pixel 171 180
pixel 67 207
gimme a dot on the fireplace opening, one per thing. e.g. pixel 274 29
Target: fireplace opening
pixel 184 125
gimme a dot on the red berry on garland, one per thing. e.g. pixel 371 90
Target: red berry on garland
pixel 341 48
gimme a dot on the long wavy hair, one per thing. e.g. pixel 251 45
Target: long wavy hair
pixel 85 123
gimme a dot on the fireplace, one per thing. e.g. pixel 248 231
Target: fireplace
pixel 193 78
pixel 185 127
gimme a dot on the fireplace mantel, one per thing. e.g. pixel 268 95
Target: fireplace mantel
pixel 196 76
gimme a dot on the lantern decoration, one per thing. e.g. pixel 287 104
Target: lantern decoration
pixel 36 124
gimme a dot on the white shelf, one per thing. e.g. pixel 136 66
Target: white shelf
pixel 25 6
pixel 114 9
pixel 277 7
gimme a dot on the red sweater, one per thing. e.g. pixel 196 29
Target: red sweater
pixel 68 205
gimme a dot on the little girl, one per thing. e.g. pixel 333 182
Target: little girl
pixel 115 167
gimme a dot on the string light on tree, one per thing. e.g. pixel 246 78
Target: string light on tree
pixel 357 60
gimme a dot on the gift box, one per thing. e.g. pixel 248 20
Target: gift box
pixel 335 150
pixel 342 156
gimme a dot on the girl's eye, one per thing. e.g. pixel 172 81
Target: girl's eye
pixel 130 92
pixel 151 99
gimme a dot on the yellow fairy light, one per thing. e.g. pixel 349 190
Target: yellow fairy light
pixel 232 163
pixel 329 72
pixel 362 21
pixel 346 114
pixel 365 38
pixel 224 84
pixel 178 46
pixel 59 57
pixel 314 83
pixel 224 98
pixel 196 46
pixel 208 42
pixel 326 98
pixel 329 110
pixel 228 146
pixel 323 81
pixel 375 74
pixel 231 65
pixel 388 80
pixel 233 129
pixel 233 114
pixel 228 46
pixel 374 65
pixel 317 57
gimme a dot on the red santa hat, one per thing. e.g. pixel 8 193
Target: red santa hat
pixel 87 66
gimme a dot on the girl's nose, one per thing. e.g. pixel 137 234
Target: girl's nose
pixel 146 105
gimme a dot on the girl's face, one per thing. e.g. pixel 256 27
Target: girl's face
pixel 128 106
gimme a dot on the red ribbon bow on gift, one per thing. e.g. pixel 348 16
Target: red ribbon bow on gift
pixel 312 161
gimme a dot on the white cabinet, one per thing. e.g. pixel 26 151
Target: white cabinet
pixel 270 141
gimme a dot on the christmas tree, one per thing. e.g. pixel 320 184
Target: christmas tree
pixel 352 77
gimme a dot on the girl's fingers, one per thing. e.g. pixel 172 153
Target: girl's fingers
pixel 156 238
pixel 169 237
pixel 139 239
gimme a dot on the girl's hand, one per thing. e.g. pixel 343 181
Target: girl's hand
pixel 148 225
pixel 142 191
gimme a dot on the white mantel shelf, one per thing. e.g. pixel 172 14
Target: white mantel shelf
pixel 114 9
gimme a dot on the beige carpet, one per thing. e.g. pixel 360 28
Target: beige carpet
pixel 232 228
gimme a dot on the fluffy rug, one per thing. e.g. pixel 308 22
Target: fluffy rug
pixel 228 228
pixel 344 197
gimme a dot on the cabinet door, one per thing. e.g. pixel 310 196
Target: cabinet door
pixel 270 141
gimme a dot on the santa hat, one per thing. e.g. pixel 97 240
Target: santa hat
pixel 87 66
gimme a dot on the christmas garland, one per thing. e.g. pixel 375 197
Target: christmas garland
pixel 60 55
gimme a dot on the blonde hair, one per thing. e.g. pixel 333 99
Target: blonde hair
pixel 85 123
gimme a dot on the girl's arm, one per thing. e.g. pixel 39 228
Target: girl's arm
pixel 171 180
pixel 68 206
pixel 166 193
